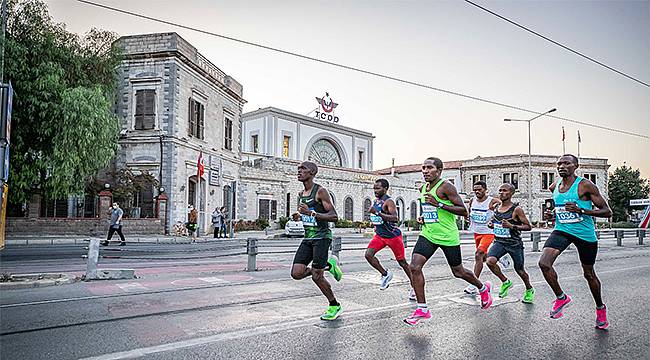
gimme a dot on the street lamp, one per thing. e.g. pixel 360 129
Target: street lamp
pixel 530 180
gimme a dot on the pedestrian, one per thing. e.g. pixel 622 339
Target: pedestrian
pixel 224 216
pixel 116 224
pixel 192 219
pixel 217 220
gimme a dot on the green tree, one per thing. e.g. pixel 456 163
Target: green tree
pixel 626 184
pixel 63 126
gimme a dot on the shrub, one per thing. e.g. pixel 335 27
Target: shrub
pixel 623 224
pixel 262 223
pixel 412 224
pixel 282 221
pixel 342 223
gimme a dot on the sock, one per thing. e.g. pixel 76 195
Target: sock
pixel 483 288
pixel 600 307
pixel 562 296
pixel 334 303
pixel 424 307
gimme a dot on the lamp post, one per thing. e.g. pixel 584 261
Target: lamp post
pixel 530 180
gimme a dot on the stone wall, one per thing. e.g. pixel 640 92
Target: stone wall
pixel 77 226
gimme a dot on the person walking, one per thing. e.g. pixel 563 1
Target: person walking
pixel 116 225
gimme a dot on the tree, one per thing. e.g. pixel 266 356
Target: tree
pixel 626 184
pixel 63 126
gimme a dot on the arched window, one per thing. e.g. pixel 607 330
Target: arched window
pixel 324 152
pixel 399 204
pixel 414 210
pixel 349 209
pixel 367 203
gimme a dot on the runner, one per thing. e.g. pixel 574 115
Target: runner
pixel 440 204
pixel 316 211
pixel 508 222
pixel 577 201
pixel 383 215
pixel 481 208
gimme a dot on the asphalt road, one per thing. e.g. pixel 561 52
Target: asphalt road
pixel 210 309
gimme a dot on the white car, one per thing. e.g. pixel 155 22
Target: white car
pixel 294 228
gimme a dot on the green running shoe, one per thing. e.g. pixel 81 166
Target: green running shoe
pixel 529 296
pixel 335 269
pixel 331 313
pixel 503 291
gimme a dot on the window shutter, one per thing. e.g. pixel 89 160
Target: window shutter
pixel 149 120
pixel 274 209
pixel 190 129
pixel 139 109
pixel 201 121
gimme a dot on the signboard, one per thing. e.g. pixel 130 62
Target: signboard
pixel 640 202
pixel 326 109
pixel 213 178
pixel 214 162
pixel 5 122
pixel 3 213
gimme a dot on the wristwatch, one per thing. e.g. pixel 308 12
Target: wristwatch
pixel 313 214
pixel 581 211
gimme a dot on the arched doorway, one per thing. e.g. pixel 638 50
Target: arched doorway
pixel 414 210
pixel 367 203
pixel 349 209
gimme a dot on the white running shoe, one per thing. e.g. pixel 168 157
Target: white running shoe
pixel 505 261
pixel 471 290
pixel 412 296
pixel 385 280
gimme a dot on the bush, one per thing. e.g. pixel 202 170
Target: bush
pixel 251 225
pixel 624 224
pixel 342 223
pixel 282 221
pixel 262 223
pixel 412 224
pixel 362 224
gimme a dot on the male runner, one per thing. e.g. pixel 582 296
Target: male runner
pixel 440 203
pixel 577 201
pixel 316 211
pixel 508 221
pixel 481 208
pixel 383 215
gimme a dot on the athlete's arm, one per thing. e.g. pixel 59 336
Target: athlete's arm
pixel 591 190
pixel 330 213
pixel 520 215
pixel 391 211
pixel 458 207
pixel 469 208
pixel 494 203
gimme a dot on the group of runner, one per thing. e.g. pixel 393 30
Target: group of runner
pixel 496 223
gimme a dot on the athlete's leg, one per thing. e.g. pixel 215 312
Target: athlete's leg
pixel 304 255
pixel 317 275
pixel 300 271
pixel 494 267
pixel 407 269
pixel 319 265
pixel 396 245
pixel 375 245
pixel 546 262
pixel 587 252
pixel 517 255
pixel 422 251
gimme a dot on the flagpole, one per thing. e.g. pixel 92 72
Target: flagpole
pixel 563 142
pixel 579 141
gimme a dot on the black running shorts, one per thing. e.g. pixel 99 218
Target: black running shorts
pixel 426 248
pixel 587 250
pixel 313 251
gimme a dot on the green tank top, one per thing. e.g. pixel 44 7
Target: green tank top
pixel 314 229
pixel 439 225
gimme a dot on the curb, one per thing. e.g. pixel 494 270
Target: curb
pixel 61 280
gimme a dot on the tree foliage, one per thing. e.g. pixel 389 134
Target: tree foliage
pixel 63 126
pixel 626 184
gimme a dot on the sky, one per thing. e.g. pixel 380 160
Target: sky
pixel 446 44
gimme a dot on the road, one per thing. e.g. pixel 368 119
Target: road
pixel 208 308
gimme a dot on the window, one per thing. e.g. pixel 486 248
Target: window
pixel 591 177
pixel 255 145
pixel 511 178
pixel 227 140
pixel 480 177
pixel 288 210
pixel 452 181
pixel 547 180
pixel 414 210
pixel 263 209
pixel 367 203
pixel 145 109
pixel 285 146
pixel 361 159
pixel 196 119
pixel 349 209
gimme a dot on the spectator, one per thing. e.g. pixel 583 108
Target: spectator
pixel 217 221
pixel 116 224
pixel 192 219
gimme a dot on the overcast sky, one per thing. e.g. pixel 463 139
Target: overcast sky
pixel 446 44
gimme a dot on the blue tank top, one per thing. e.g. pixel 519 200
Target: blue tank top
pixel 578 225
pixel 385 229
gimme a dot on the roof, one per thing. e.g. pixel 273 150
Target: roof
pixel 411 168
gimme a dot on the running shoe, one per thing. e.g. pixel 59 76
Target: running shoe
pixel 412 296
pixel 332 312
pixel 471 290
pixel 558 306
pixel 529 296
pixel 505 286
pixel 335 269
pixel 505 261
pixel 104 243
pixel 486 297
pixel 385 280
pixel 601 318
pixel 417 316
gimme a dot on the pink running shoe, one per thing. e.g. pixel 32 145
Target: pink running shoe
pixel 417 316
pixel 486 297
pixel 558 306
pixel 601 318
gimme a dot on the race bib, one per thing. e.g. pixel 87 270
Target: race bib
pixel 376 219
pixel 430 213
pixel 479 217
pixel 567 217
pixel 500 231
pixel 308 220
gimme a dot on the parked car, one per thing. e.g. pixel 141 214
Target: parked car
pixel 294 227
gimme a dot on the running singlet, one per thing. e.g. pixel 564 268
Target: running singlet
pixel 314 229
pixel 505 235
pixel 384 229
pixel 480 214
pixel 578 225
pixel 439 225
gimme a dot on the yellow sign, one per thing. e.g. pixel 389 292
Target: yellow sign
pixel 3 214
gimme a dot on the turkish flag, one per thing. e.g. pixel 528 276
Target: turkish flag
pixel 201 165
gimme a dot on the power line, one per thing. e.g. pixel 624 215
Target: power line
pixel 557 43
pixel 359 70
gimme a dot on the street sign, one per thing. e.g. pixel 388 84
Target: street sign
pixel 640 202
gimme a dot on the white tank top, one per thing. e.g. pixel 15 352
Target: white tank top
pixel 479 215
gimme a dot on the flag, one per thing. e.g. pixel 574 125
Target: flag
pixel 563 137
pixel 201 165
pixel 579 137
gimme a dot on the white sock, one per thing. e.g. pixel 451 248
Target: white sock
pixel 483 288
pixel 424 307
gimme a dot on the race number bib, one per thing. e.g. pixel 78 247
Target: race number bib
pixel 567 217
pixel 430 213
pixel 308 220
pixel 500 231
pixel 479 217
pixel 376 219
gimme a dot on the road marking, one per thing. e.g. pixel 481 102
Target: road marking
pixel 134 286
